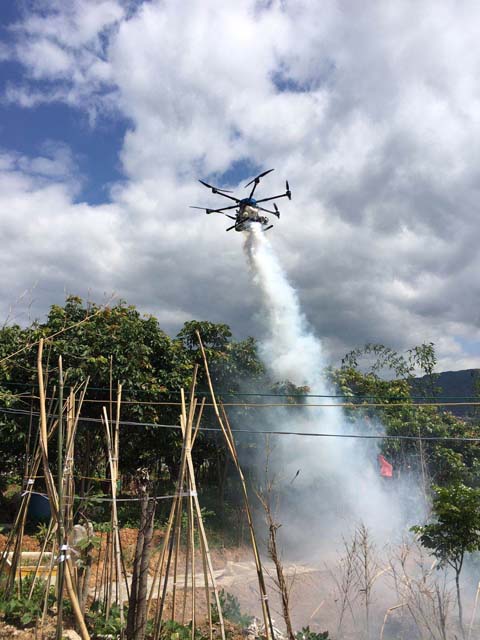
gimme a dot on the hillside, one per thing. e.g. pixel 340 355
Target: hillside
pixel 454 386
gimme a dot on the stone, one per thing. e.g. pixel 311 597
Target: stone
pixel 70 634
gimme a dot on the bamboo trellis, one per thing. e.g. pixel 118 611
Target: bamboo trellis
pixel 186 488
pixel 184 531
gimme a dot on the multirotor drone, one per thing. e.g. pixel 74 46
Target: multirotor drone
pixel 247 209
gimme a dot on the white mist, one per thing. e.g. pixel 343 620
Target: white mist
pixel 339 484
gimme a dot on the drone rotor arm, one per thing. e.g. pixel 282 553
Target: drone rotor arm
pixel 214 189
pixel 257 178
pixel 220 192
pixel 222 209
pixel 253 188
pixel 208 211
pixel 283 195
pixel 267 210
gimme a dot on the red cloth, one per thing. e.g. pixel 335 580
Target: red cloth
pixel 386 469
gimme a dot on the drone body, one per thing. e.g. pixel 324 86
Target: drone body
pixel 247 209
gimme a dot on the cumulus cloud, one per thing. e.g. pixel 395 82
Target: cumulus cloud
pixel 371 111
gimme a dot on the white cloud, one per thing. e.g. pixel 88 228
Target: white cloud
pixel 371 111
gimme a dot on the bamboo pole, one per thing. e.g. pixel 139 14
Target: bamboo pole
pixel 52 491
pixel 187 562
pixel 50 530
pixel 16 534
pixel 161 558
pixel 203 536
pixel 175 518
pixel 113 443
pixel 161 600
pixel 118 550
pixel 60 528
pixel 192 551
pixel 186 479
pixel 187 429
pixel 199 417
pixel 46 592
pixel 191 531
pixel 97 572
pixel 225 427
pixel 207 589
pixel 15 537
pixel 177 535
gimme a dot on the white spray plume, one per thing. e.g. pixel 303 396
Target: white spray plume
pixel 339 484
pixel 291 351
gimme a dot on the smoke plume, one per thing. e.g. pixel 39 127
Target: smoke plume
pixel 338 484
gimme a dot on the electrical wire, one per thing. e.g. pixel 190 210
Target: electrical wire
pixel 235 394
pixel 290 405
pixel 309 434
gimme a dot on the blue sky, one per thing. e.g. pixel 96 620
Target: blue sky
pixel 110 110
pixel 25 130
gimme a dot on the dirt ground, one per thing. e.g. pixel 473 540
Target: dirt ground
pixel 313 601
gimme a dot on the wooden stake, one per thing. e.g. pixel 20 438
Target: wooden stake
pixel 61 528
pixel 52 494
pixel 225 427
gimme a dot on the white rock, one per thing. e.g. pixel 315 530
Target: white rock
pixel 70 634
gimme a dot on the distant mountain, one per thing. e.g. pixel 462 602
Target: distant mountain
pixel 452 386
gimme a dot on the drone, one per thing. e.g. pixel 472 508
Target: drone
pixel 247 209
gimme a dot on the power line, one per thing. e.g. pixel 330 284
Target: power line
pixel 290 405
pixel 309 434
pixel 235 394
pixel 101 498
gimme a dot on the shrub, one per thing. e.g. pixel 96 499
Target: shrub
pixel 231 610
pixel 21 609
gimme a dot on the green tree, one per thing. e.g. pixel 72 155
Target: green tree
pixel 118 344
pixel 455 530
pixel 378 375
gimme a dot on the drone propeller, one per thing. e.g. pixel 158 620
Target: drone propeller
pixel 208 211
pixel 289 193
pixel 258 177
pixel 256 181
pixel 215 189
pixel 275 213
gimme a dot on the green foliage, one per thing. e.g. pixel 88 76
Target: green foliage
pixel 98 623
pixel 215 337
pixel 307 634
pixel 359 379
pixel 41 532
pixel 380 358
pixel 21 609
pixel 206 516
pixel 231 609
pixel 118 344
pixel 456 529
pixel 172 630
pixel 102 527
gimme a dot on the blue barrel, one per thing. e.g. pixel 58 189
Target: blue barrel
pixel 39 508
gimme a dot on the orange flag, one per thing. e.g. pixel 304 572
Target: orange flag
pixel 386 469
